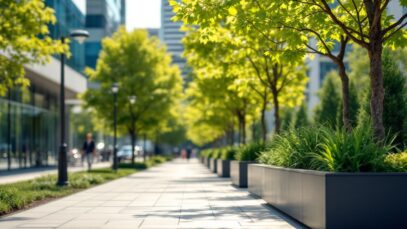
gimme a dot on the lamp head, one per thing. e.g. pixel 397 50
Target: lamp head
pixel 115 88
pixel 132 99
pixel 79 35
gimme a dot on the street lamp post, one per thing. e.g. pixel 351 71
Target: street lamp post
pixel 132 100
pixel 80 36
pixel 115 90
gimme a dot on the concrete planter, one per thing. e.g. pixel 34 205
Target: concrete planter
pixel 238 172
pixel 213 165
pixel 255 173
pixel 335 200
pixel 223 168
pixel 207 161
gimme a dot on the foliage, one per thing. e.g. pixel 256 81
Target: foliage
pixel 142 67
pixel 151 161
pixel 395 100
pixel 23 194
pixel 353 107
pixel 287 118
pixel 24 39
pixel 257 69
pixel 325 149
pixel 326 112
pixel 301 117
pixel 396 162
pixel 228 153
pixel 250 152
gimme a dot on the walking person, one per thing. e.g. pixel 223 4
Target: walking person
pixel 89 150
pixel 189 152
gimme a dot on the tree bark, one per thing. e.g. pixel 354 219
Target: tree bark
pixel 276 111
pixel 133 144
pixel 243 129
pixel 377 89
pixel 263 124
pixel 345 97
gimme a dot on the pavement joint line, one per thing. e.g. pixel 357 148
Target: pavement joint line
pixel 174 195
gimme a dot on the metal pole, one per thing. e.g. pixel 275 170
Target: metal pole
pixel 115 131
pixel 62 159
pixel 9 129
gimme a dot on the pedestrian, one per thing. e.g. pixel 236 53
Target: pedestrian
pixel 89 150
pixel 189 152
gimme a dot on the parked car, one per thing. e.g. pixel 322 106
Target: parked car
pixel 125 153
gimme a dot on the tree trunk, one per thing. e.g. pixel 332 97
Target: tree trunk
pixel 345 97
pixel 263 124
pixel 232 133
pixel 133 145
pixel 239 129
pixel 276 111
pixel 243 129
pixel 377 89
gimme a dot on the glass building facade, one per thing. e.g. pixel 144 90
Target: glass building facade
pixel 29 121
pixel 171 35
pixel 103 17
pixel 69 17
pixel 29 117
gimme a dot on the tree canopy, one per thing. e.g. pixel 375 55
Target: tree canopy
pixel 142 68
pixel 24 39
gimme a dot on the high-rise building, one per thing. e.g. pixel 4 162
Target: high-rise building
pixel 29 117
pixel 171 35
pixel 103 17
pixel 69 17
pixel 153 32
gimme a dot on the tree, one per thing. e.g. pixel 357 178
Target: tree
pixel 326 112
pixel 287 118
pixel 301 118
pixel 143 69
pixel 24 39
pixel 353 107
pixel 366 24
pixel 281 72
pixel 395 100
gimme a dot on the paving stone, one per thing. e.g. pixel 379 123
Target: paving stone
pixel 174 195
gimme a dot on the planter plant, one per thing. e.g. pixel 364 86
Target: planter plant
pixel 213 165
pixel 223 163
pixel 244 156
pixel 328 178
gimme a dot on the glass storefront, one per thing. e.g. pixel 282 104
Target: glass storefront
pixel 28 133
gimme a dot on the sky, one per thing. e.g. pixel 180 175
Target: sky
pixel 139 13
pixel 143 14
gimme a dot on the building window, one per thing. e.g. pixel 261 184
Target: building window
pixel 95 21
pixel 324 69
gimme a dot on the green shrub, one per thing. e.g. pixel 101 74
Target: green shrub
pixel 292 148
pixel 325 149
pixel 206 153
pixel 250 152
pixel 396 162
pixel 216 153
pixel 350 152
pixel 20 194
pixel 228 153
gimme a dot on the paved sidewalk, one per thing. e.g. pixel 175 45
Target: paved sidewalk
pixel 31 173
pixel 174 195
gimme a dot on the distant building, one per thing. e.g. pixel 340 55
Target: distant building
pixel 69 17
pixel 103 17
pixel 153 32
pixel 29 118
pixel 171 35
